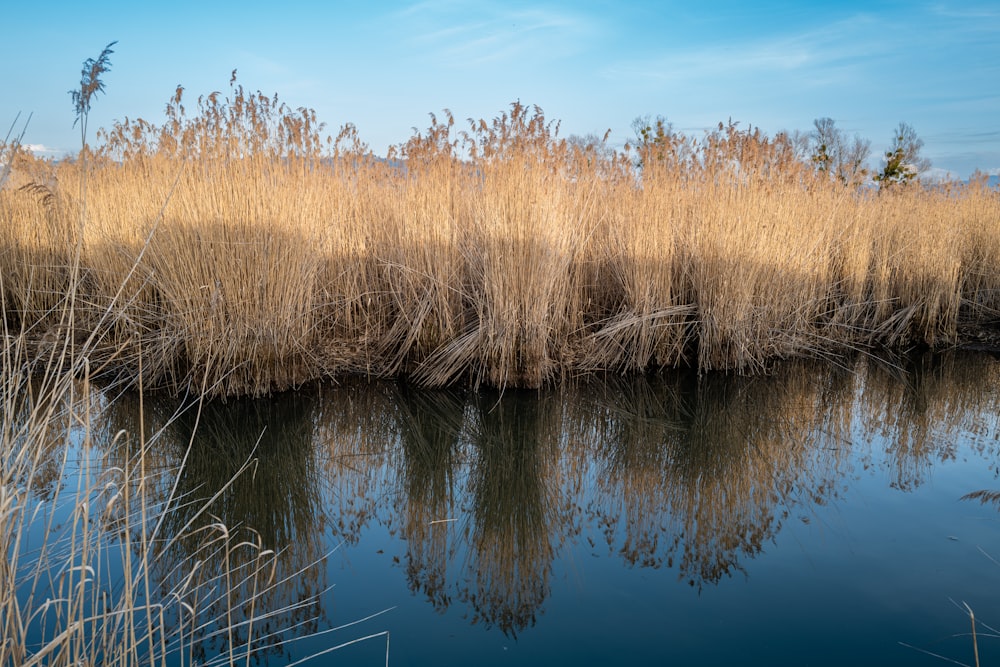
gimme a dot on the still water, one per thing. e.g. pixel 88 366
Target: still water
pixel 810 517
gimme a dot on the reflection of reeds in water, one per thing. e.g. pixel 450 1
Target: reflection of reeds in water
pixel 431 425
pixel 249 486
pixel 917 404
pixel 353 431
pixel 513 524
pixel 693 472
pixel 698 472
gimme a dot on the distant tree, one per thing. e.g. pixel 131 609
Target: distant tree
pixel 826 139
pixel 592 151
pixel 801 143
pixel 840 156
pixel 651 137
pixel 656 142
pixel 903 161
pixel 592 142
pixel 854 157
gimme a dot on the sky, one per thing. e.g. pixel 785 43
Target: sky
pixel 592 65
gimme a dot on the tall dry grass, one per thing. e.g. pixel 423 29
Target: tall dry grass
pixel 89 574
pixel 498 254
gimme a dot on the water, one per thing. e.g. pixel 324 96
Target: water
pixel 810 517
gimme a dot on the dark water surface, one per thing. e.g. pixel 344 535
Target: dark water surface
pixel 810 517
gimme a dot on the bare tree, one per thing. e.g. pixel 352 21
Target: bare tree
pixel 833 152
pixel 592 142
pixel 801 143
pixel 906 139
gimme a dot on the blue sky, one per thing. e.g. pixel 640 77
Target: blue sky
pixel 593 65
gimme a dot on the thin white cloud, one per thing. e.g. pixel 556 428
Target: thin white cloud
pixel 966 11
pixel 463 35
pixel 822 54
pixel 42 150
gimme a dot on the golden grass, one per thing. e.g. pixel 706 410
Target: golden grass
pixel 500 255
pixel 90 575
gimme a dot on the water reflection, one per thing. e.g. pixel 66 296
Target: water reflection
pixel 485 491
pixel 430 426
pixel 512 521
pixel 699 472
pixel 257 459
pixel 919 403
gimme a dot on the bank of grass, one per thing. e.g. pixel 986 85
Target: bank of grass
pixel 500 254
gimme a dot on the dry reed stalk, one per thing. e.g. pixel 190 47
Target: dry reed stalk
pixel 235 273
pixel 36 256
pixel 518 254
pixel 499 255
pixel 98 588
pixel 417 264
pixel 82 577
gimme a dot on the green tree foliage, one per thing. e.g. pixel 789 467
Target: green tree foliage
pixel 654 139
pixel 903 162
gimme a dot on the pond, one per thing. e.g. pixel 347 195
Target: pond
pixel 812 516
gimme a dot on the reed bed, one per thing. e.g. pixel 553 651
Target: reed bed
pixel 90 574
pixel 256 257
